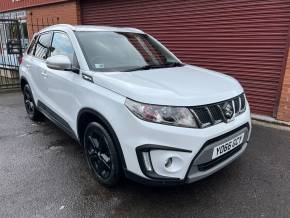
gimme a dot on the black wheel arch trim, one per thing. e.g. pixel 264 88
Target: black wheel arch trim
pixel 108 127
pixel 26 81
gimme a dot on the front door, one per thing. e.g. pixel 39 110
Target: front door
pixel 61 85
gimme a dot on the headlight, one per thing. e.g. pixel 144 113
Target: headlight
pixel 175 116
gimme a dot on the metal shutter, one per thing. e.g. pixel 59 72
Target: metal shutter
pixel 245 39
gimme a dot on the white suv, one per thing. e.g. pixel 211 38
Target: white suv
pixel 136 108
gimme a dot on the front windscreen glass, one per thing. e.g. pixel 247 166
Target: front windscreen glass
pixel 124 51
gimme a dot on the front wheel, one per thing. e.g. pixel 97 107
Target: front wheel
pixel 30 106
pixel 101 155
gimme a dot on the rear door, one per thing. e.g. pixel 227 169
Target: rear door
pixel 27 67
pixel 37 66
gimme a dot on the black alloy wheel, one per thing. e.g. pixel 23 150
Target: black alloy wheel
pixel 30 107
pixel 101 154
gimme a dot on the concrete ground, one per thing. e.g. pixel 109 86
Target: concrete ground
pixel 43 174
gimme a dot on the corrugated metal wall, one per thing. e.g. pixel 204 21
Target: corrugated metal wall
pixel 7 5
pixel 245 39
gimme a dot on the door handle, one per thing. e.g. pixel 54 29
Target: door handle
pixel 43 73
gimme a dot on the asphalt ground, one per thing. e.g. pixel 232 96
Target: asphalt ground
pixel 43 173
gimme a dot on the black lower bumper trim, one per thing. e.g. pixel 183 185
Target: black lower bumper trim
pixel 153 182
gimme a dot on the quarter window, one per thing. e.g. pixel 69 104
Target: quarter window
pixel 32 46
pixel 42 46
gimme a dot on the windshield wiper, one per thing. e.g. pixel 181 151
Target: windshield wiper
pixel 145 67
pixel 173 64
pixel 152 66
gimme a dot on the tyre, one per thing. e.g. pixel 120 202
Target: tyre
pixel 101 155
pixel 30 106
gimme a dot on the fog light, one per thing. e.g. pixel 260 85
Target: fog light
pixel 168 162
pixel 147 161
pixel 173 164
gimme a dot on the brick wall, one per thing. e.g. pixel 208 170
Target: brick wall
pixel 66 12
pixel 284 105
pixel 11 5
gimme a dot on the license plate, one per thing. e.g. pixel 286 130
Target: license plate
pixel 227 146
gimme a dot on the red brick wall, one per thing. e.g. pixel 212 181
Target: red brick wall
pixel 9 5
pixel 284 105
pixel 67 12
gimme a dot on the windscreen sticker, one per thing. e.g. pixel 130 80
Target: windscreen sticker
pixel 98 66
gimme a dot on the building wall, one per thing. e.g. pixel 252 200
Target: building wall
pixel 284 105
pixel 42 13
pixel 42 16
pixel 244 39
pixel 8 5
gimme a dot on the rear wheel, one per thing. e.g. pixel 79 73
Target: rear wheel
pixel 101 155
pixel 30 106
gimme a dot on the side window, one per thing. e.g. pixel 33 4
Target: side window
pixel 61 45
pixel 42 46
pixel 32 46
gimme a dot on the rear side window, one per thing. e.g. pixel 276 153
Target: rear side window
pixel 42 46
pixel 61 45
pixel 32 46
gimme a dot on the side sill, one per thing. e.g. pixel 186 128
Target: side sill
pixel 56 119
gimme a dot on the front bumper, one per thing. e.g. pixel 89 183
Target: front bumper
pixel 200 166
pixel 186 144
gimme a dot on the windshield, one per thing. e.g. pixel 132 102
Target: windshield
pixel 123 51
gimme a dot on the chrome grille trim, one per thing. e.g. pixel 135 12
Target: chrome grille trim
pixel 243 103
pixel 196 117
pixel 234 106
pixel 240 103
pixel 221 111
pixel 212 114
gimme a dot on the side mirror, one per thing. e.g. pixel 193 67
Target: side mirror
pixel 59 62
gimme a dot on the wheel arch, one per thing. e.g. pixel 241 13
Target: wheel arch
pixel 23 82
pixel 87 115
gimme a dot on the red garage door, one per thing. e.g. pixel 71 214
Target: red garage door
pixel 245 39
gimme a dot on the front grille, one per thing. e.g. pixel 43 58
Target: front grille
pixel 203 116
pixel 209 115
